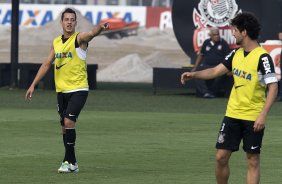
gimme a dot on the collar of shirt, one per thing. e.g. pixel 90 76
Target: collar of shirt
pixel 212 43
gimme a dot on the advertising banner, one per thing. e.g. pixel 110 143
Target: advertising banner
pixel 158 17
pixel 32 15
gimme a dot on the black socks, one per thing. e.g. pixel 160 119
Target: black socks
pixel 69 142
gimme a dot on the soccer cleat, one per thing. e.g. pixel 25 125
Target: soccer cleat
pixel 73 168
pixel 65 167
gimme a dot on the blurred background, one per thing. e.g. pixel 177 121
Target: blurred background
pixel 161 3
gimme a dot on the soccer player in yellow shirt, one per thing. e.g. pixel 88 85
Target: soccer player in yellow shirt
pixel 248 105
pixel 68 52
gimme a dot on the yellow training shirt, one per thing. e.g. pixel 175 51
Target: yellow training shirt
pixel 70 70
pixel 247 97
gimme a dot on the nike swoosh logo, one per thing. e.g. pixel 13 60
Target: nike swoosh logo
pixel 71 115
pixel 239 86
pixel 58 67
pixel 254 147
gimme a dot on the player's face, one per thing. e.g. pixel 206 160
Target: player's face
pixel 238 36
pixel 69 23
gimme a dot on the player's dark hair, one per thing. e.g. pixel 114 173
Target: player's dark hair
pixel 68 10
pixel 247 21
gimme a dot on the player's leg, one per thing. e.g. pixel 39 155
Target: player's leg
pixel 75 105
pixel 253 174
pixel 70 144
pixel 62 105
pixel 222 170
pixel 228 141
pixel 252 142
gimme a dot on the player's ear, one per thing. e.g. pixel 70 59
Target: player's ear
pixel 244 32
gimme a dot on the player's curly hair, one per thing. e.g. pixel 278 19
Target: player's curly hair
pixel 247 21
pixel 67 10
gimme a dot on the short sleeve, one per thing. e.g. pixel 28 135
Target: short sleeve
pixel 227 62
pixel 266 69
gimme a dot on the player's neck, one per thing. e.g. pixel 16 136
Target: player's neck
pixel 68 34
pixel 250 45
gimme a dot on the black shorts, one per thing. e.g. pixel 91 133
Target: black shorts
pixel 232 131
pixel 70 104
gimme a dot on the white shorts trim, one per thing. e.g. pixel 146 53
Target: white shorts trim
pixel 75 90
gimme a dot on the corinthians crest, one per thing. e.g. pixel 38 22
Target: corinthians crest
pixel 215 13
pixel 220 138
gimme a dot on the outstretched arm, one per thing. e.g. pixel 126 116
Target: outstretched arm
pixel 85 37
pixel 44 68
pixel 205 74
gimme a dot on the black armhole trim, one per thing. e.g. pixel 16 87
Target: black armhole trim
pixel 76 42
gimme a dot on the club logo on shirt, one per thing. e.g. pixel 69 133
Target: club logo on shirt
pixel 219 47
pixel 61 55
pixel 242 74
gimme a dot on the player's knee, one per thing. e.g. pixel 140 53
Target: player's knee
pixel 222 159
pixel 69 123
pixel 253 160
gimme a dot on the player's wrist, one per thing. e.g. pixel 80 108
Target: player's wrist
pixel 193 74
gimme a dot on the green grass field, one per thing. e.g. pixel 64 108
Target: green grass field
pixel 125 135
